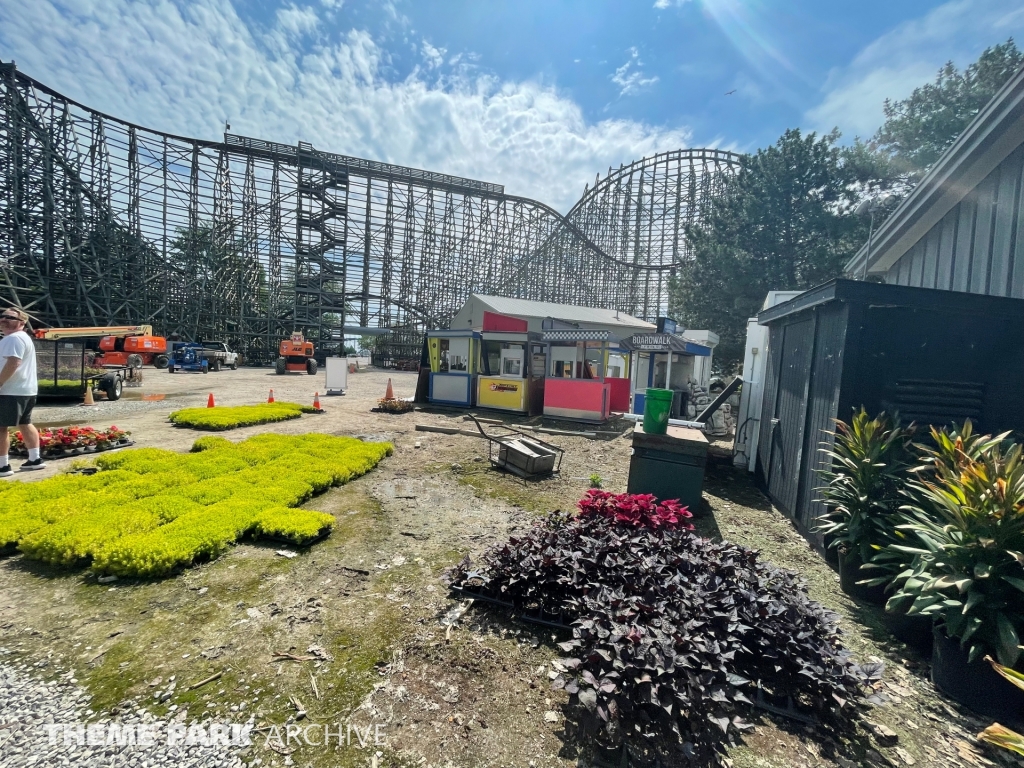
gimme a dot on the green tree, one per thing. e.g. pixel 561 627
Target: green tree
pixel 783 222
pixel 919 128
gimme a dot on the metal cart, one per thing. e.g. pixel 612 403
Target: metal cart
pixel 524 455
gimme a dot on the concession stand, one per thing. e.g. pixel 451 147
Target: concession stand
pixel 511 372
pixel 454 366
pixel 587 374
pixel 663 361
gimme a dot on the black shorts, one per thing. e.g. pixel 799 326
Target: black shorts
pixel 16 410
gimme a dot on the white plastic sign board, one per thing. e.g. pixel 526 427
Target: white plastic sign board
pixel 337 375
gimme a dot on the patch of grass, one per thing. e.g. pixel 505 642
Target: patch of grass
pixel 150 511
pixel 222 418
pixel 66 387
pixel 534 496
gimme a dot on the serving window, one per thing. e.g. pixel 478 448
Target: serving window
pixel 504 358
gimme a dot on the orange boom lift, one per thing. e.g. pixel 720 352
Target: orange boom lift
pixel 130 345
pixel 295 355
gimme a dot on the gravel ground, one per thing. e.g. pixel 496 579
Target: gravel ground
pixel 28 705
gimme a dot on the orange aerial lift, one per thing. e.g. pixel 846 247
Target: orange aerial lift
pixel 124 345
pixel 296 355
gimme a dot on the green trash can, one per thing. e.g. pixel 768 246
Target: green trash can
pixel 657 404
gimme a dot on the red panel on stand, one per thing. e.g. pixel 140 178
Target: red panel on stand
pixel 576 399
pixel 495 322
pixel 618 400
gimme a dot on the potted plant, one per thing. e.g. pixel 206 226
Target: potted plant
pixel 997 734
pixel 870 459
pixel 966 570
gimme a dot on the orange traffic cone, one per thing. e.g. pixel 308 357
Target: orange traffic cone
pixel 390 393
pixel 209 401
pixel 88 395
pixel 316 400
pixel 271 398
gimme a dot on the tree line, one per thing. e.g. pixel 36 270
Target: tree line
pixel 786 221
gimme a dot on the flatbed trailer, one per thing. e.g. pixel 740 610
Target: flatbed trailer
pixel 66 368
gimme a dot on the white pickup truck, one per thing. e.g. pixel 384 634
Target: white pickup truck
pixel 220 356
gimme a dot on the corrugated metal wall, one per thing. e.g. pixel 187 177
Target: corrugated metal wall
pixel 804 374
pixel 822 410
pixel 934 356
pixel 978 246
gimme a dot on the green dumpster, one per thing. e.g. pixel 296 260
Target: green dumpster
pixel 657 404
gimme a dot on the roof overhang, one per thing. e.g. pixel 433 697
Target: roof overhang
pixel 665 342
pixel 573 335
pixel 990 138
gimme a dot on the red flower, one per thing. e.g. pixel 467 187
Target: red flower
pixel 637 509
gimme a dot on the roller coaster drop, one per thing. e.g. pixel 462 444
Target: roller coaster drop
pixel 103 221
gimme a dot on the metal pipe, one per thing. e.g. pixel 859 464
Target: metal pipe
pixel 671 422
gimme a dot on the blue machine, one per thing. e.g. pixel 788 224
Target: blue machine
pixel 186 356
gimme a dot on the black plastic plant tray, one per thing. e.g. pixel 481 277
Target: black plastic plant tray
pixel 533 616
pixel 76 453
pixel 789 710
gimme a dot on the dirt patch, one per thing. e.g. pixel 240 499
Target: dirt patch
pixel 359 628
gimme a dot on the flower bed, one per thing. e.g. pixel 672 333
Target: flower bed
pixel 221 418
pixel 72 441
pixel 394 405
pixel 675 637
pixel 150 512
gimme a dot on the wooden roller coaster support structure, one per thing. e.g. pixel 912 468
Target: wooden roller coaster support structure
pixel 245 240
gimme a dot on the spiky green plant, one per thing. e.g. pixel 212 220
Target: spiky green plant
pixel 966 525
pixel 870 459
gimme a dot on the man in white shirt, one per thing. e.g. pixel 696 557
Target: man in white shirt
pixel 18 389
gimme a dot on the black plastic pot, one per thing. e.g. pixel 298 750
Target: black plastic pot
pixel 850 573
pixel 915 631
pixel 607 755
pixel 975 684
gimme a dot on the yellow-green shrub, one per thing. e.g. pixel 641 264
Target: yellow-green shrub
pixel 221 418
pixel 150 511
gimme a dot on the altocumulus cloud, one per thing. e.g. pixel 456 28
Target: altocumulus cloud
pixel 185 68
pixel 909 55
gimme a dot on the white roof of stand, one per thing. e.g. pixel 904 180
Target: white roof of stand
pixel 538 310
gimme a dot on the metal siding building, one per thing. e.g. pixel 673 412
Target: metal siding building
pixel 962 227
pixel 932 355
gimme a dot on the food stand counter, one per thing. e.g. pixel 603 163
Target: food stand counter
pixel 663 361
pixel 511 372
pixel 454 360
pixel 579 385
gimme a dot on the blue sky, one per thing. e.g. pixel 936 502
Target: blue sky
pixel 535 94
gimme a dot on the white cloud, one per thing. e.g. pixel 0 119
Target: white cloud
pixel 908 56
pixel 662 4
pixel 630 76
pixel 183 68
pixel 434 56
pixel 297 22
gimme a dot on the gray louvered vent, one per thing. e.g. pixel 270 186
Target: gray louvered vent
pixel 936 402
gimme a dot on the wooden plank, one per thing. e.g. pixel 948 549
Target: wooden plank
pixel 447 430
